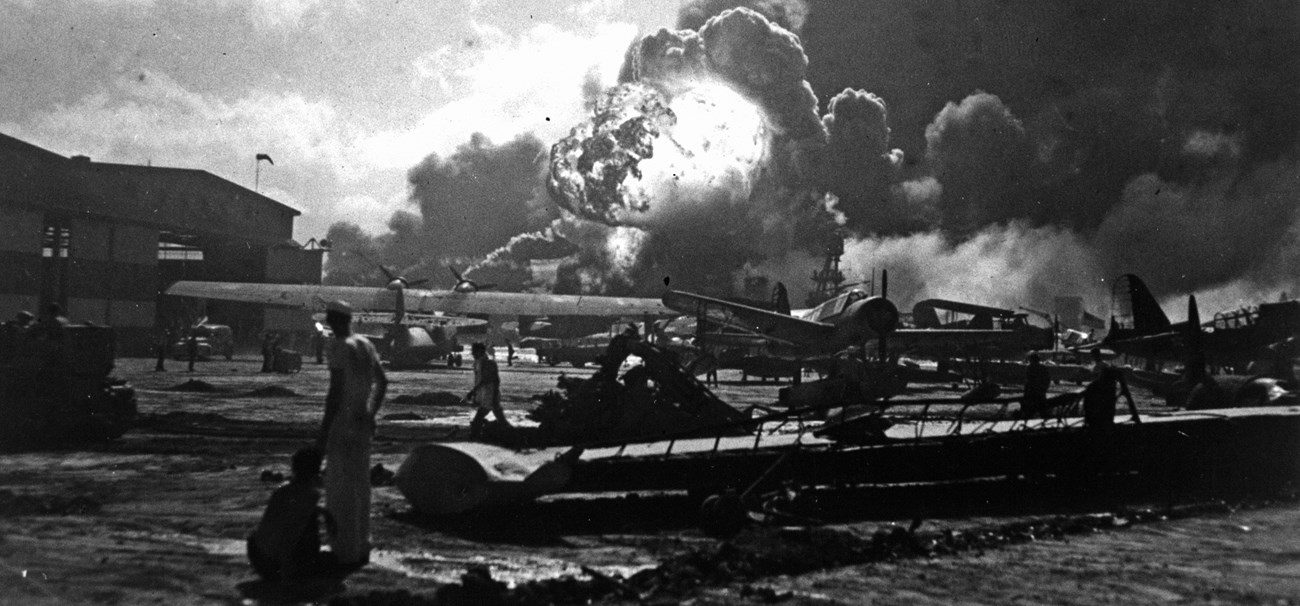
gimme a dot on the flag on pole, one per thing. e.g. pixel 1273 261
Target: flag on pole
pixel 261 157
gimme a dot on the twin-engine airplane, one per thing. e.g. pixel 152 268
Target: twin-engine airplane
pixel 419 328
pixel 851 318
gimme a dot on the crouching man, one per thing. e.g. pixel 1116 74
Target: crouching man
pixel 286 545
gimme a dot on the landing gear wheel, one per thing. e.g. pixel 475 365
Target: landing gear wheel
pixel 723 515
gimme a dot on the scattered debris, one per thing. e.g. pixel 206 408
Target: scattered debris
pixel 403 416
pixel 767 552
pixel 433 398
pixel 12 504
pixel 195 385
pixel 271 391
pixel 654 399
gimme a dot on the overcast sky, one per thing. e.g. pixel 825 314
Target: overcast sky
pixel 344 95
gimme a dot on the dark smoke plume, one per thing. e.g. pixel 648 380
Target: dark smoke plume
pixel 511 266
pixel 470 203
pixel 861 168
pixel 995 152
pixel 788 14
pixel 1154 134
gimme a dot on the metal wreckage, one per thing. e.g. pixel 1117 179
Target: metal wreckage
pixel 657 428
pixel 57 387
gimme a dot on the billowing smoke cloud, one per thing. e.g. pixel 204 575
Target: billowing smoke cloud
pixel 701 161
pixel 1006 265
pixel 470 203
pixel 982 152
pixel 511 266
pixel 861 169
pixel 1158 139
pixel 788 14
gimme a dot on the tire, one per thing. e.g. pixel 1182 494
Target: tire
pixel 723 515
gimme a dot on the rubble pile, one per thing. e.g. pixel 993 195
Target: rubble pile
pixel 271 391
pixel 654 399
pixel 768 552
pixel 194 385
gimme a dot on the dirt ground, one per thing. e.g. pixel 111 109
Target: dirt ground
pixel 160 516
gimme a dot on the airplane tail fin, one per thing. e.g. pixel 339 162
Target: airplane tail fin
pixel 1134 310
pixel 780 299
pixel 1194 365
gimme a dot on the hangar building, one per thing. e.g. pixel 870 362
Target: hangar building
pixel 104 240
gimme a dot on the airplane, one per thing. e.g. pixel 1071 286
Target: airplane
pixel 417 344
pixel 1230 340
pixel 989 332
pixel 851 318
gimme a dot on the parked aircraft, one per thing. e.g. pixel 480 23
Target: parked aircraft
pixel 984 332
pixel 1231 339
pixel 851 318
pixel 400 307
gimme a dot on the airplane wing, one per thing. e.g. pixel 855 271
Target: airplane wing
pixel 950 342
pixel 301 296
pixel 771 325
pixel 420 301
pixel 386 317
pixel 965 308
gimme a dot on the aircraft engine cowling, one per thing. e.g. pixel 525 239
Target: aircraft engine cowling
pixel 879 314
pixel 437 333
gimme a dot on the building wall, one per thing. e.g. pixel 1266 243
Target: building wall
pixel 114 215
pixel 20 260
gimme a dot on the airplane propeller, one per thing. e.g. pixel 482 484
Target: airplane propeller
pixel 882 315
pixel 464 284
pixel 394 279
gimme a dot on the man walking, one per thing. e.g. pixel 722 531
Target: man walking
pixel 356 391
pixel 486 393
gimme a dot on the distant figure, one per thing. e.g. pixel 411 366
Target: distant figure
pixel 286 544
pixel 1100 396
pixel 318 344
pixel 356 392
pixel 510 354
pixel 192 347
pixel 1037 380
pixel 276 348
pixel 162 338
pixel 852 369
pixel 486 392
pixel 268 351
